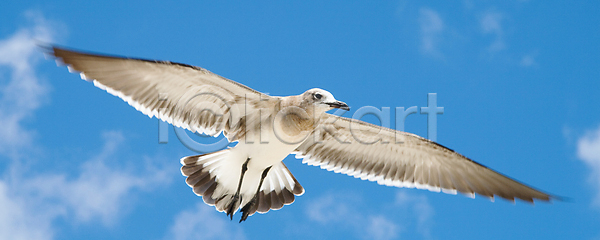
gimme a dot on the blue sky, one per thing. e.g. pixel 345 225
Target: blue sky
pixel 519 82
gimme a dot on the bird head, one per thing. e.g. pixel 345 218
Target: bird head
pixel 323 100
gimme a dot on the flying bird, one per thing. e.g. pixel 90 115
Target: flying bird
pixel 251 176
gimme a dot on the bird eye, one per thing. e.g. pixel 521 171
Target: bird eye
pixel 318 96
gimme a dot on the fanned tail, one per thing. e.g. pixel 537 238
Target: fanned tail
pixel 215 176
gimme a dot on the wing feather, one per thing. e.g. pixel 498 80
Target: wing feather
pixel 183 95
pixel 373 154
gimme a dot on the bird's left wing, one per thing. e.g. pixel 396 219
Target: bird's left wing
pixel 401 159
pixel 183 95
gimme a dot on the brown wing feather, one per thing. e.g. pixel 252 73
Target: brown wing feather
pixel 183 95
pixel 372 153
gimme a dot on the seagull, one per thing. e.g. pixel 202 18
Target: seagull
pixel 251 177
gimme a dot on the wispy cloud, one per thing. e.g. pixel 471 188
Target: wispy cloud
pixel 588 150
pixel 528 60
pixel 23 91
pixel 326 209
pixel 31 204
pixel 203 222
pixel 344 212
pixel 339 210
pixel 380 227
pixel 491 24
pixel 421 209
pixel 431 27
pixel 18 217
pixel 98 193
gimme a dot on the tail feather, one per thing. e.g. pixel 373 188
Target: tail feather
pixel 197 178
pixel 279 187
pixel 207 195
pixel 198 170
pixel 189 170
pixel 225 201
pixel 264 203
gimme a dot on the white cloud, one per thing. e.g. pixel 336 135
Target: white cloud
pixel 491 24
pixel 381 228
pixel 24 91
pixel 588 150
pixel 18 218
pixel 421 209
pixel 337 210
pixel 203 223
pixel 528 61
pixel 431 26
pixel 21 92
pixel 31 204
pixel 326 209
pixel 99 192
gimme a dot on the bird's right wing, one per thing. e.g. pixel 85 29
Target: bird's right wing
pixel 401 159
pixel 183 95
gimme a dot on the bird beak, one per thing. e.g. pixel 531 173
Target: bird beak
pixel 340 105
